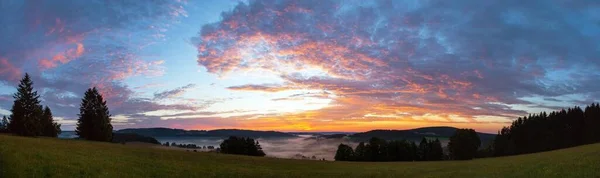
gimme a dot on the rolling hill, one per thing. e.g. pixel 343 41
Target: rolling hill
pixel 49 157
pixel 417 134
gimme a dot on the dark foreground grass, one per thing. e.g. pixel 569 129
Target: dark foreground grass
pixel 47 157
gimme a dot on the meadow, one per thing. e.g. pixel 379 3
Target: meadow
pixel 50 157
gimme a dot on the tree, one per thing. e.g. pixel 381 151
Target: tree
pixel 437 152
pixel 360 152
pixel 543 132
pixel 94 118
pixel 241 146
pixel 26 110
pixel 424 150
pixel 376 150
pixel 4 125
pixel 47 124
pixel 344 153
pixel 592 123
pixel 463 144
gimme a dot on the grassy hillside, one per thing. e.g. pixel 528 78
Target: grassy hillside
pixel 45 157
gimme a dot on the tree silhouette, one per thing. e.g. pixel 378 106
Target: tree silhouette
pixel 94 118
pixel 360 152
pixel 26 110
pixel 463 144
pixel 543 132
pixel 241 146
pixel 344 153
pixel 378 150
pixel 47 124
pixel 4 125
pixel 424 150
pixel 592 124
pixel 436 151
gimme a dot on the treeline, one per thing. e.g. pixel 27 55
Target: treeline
pixel 192 146
pixel 379 150
pixel 544 132
pixel 241 146
pixel 463 145
pixel 29 118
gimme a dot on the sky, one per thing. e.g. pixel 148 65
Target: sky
pixel 310 65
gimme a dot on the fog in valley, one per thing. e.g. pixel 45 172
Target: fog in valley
pixel 303 147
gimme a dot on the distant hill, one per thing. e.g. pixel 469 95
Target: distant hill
pixel 416 134
pixel 167 132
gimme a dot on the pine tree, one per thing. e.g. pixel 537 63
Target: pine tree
pixel 94 118
pixel 48 126
pixel 437 152
pixel 4 124
pixel 424 150
pixel 26 110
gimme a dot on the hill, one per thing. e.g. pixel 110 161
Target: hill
pixel 47 157
pixel 167 132
pixel 416 134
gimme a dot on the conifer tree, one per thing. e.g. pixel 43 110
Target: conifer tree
pixel 424 150
pixel 4 124
pixel 48 126
pixel 437 152
pixel 26 110
pixel 360 152
pixel 94 118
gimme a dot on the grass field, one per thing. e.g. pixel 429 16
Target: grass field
pixel 47 157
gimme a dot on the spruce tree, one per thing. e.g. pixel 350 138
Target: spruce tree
pixel 48 126
pixel 424 150
pixel 437 152
pixel 26 110
pixel 4 124
pixel 94 118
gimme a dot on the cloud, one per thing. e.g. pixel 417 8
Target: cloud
pixel 173 93
pixel 99 44
pixel 469 59
pixel 261 88
pixel 9 71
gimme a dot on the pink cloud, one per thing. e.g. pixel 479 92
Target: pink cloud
pixel 9 71
pixel 64 57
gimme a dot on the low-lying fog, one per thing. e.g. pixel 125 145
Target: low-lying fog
pixel 303 147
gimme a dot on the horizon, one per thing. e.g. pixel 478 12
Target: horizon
pixel 304 66
pixel 284 131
